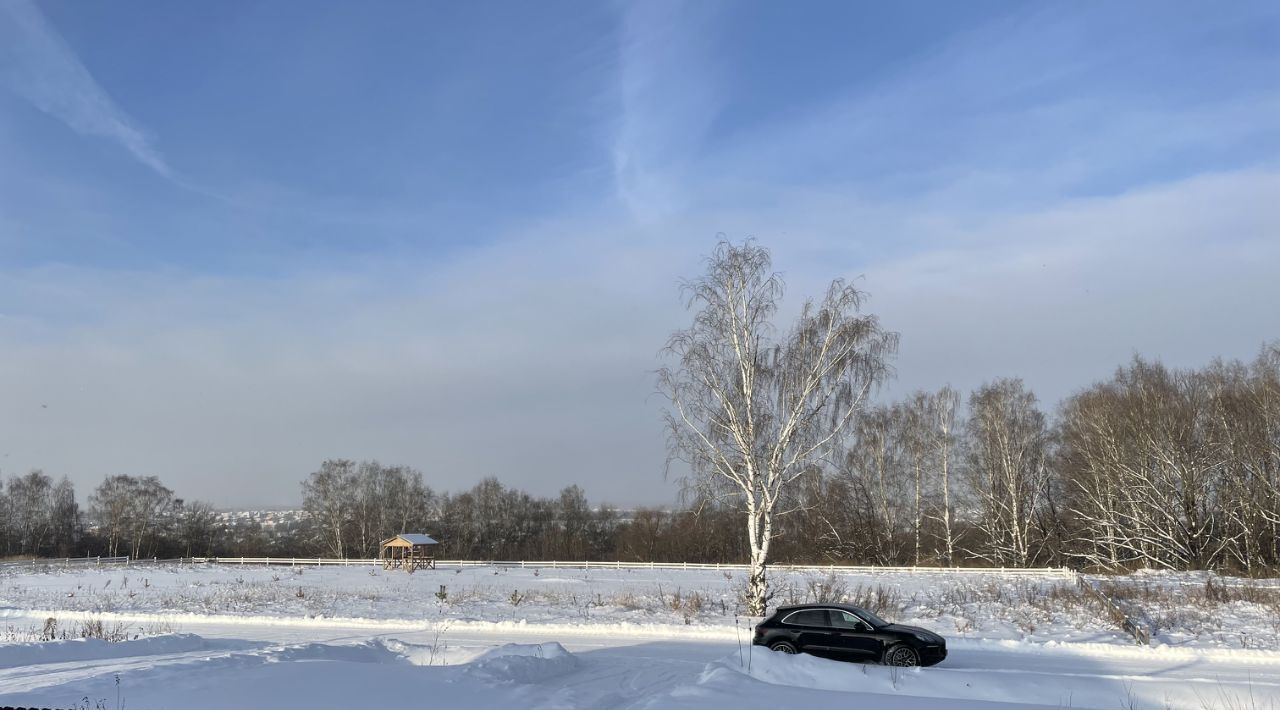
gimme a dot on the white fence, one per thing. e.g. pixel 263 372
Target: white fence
pixel 528 564
pixel 64 562
pixel 556 564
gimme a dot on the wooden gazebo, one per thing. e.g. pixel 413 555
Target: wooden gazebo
pixel 408 550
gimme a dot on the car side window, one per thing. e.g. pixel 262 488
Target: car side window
pixel 845 620
pixel 809 617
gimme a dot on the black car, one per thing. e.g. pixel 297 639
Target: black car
pixel 846 632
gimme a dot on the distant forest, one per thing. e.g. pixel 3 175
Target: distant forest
pixel 1152 468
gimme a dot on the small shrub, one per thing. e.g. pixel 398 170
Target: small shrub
pixel 94 628
pixel 827 590
pixel 879 600
pixel 692 606
pixel 676 602
pixel 1025 621
pixel 627 601
pixel 157 628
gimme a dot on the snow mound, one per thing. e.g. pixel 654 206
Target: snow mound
pixel 30 654
pixel 396 652
pixel 425 654
pixel 374 651
pixel 523 663
pixel 778 680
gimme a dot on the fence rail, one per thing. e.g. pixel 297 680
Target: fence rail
pixel 64 562
pixel 533 564
pixel 558 564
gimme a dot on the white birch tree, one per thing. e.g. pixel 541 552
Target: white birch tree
pixel 328 497
pixel 751 412
pixel 944 404
pixel 1008 470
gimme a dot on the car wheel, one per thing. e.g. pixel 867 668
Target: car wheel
pixel 901 656
pixel 784 647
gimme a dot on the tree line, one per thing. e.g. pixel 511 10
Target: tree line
pixel 348 508
pixel 135 516
pixel 1157 468
pixel 777 422
pixel 1154 467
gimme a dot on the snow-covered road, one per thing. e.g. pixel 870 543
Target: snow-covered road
pixel 213 663
pixel 1070 676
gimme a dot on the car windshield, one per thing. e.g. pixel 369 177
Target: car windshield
pixel 872 618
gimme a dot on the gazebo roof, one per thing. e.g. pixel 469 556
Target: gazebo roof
pixel 413 539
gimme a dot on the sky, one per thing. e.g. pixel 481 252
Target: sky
pixel 240 238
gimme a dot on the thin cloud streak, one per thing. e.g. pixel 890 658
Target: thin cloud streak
pixel 668 95
pixel 42 68
pixel 1013 111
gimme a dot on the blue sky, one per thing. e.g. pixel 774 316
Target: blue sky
pixel 239 238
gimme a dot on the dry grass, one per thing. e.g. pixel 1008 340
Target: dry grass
pixel 1201 609
pixel 55 629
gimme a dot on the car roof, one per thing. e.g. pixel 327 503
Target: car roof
pixel 833 605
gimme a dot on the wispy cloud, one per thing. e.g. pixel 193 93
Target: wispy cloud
pixel 1012 111
pixel 668 97
pixel 40 66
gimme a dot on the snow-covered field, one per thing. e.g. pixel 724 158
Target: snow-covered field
pixel 218 636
